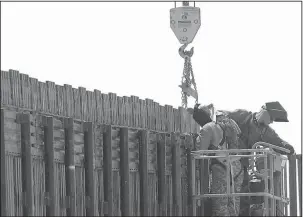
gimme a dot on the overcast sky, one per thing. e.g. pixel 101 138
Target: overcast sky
pixel 246 54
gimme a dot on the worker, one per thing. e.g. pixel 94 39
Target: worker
pixel 255 127
pixel 220 135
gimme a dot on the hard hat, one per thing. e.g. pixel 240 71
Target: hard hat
pixel 276 111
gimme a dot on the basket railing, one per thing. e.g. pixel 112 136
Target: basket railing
pixel 264 164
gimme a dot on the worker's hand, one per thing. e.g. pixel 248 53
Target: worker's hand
pixel 290 148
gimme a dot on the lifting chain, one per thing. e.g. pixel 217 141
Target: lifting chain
pixel 188 78
pixel 185 22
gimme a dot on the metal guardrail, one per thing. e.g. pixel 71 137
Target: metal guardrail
pixel 256 153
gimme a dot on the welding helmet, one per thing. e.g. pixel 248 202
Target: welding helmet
pixel 276 111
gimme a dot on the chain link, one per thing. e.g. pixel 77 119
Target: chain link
pixel 188 79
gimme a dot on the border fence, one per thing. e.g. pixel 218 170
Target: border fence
pixel 73 152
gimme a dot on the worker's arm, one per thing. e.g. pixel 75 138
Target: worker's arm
pixel 238 115
pixel 272 137
pixel 205 138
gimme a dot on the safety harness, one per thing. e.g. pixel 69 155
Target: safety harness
pixel 216 161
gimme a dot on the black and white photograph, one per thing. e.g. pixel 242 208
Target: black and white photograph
pixel 151 108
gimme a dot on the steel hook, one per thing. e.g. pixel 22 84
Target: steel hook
pixel 184 53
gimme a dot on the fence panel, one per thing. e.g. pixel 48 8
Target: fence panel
pixel 3 168
pixel 77 152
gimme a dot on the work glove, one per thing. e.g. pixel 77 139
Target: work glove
pixel 290 148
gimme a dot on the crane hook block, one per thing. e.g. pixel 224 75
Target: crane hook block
pixel 185 23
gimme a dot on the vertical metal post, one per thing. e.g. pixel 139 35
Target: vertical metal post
pixel 27 182
pixel 282 187
pixel 228 175
pixel 204 186
pixel 285 187
pixel 266 185
pixel 50 188
pixel 161 143
pixel 190 183
pixel 293 185
pixel 193 172
pixel 89 168
pixel 282 190
pixel 108 174
pixel 299 162
pixel 272 200
pixel 3 168
pixel 176 175
pixel 124 172
pixel 70 167
pixel 143 172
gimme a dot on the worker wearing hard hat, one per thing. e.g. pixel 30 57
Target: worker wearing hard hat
pixel 255 127
pixel 219 135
